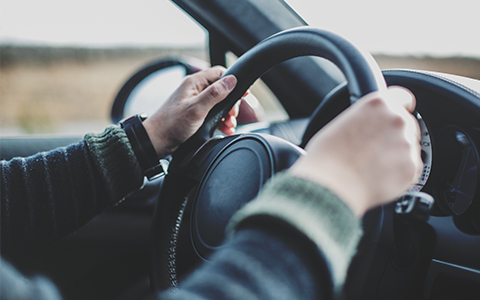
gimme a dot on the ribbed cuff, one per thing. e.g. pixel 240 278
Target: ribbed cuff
pixel 314 211
pixel 116 162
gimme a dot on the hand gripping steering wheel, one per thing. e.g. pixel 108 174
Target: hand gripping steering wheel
pixel 209 178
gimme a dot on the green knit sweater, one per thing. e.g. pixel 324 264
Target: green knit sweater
pixel 48 195
pixel 314 211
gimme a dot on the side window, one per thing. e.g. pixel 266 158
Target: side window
pixel 62 64
pixel 270 108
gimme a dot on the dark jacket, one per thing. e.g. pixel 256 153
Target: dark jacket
pixel 295 241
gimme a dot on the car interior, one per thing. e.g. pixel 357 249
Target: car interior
pixel 411 249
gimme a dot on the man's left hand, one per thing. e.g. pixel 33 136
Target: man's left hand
pixel 185 110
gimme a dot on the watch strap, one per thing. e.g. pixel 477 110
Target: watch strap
pixel 142 145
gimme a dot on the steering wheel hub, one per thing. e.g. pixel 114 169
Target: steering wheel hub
pixel 235 177
pixel 239 169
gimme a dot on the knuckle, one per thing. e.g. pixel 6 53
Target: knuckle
pixel 416 168
pixel 412 163
pixel 419 169
pixel 398 121
pixel 189 76
pixel 193 111
pixel 219 69
pixel 410 168
pixel 405 148
pixel 215 91
pixel 376 102
pixel 189 79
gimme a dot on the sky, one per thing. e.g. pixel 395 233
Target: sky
pixel 435 27
pixel 97 23
pixel 412 27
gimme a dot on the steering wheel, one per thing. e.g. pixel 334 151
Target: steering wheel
pixel 209 178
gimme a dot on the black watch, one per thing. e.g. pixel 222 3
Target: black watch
pixel 142 145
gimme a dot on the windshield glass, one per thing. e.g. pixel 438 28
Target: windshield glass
pixel 407 27
pixel 62 62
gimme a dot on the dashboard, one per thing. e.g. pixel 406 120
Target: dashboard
pixel 449 245
pixel 449 112
pixel 448 256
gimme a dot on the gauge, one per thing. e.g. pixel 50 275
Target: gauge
pixel 459 159
pixel 426 148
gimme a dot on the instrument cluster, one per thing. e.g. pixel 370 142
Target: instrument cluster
pixel 451 174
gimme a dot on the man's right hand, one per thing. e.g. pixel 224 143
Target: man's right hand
pixel 369 154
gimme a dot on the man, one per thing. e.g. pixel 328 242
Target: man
pixel 367 156
pixel 297 238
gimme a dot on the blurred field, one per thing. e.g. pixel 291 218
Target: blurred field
pixel 47 90
pixel 464 66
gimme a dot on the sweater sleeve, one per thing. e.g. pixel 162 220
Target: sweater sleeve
pixel 50 194
pixel 314 211
pixel 294 241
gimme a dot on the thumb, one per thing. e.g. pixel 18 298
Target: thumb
pixel 218 91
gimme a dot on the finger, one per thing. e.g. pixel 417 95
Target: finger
pixel 416 158
pixel 228 125
pixel 230 121
pixel 398 95
pixel 235 109
pixel 226 130
pixel 402 96
pixel 209 76
pixel 217 91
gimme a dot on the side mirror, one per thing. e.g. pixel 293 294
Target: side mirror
pixel 150 86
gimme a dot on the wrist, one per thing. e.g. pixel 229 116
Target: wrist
pixel 342 183
pixel 142 145
pixel 153 129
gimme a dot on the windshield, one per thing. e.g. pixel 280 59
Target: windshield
pixel 63 62
pixel 407 27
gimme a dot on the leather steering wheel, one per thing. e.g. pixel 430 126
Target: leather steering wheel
pixel 209 178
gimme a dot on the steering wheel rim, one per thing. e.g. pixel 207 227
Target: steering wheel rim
pixel 363 76
pixel 280 47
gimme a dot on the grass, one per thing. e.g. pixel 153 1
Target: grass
pixel 43 89
pixel 463 66
pixel 40 94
